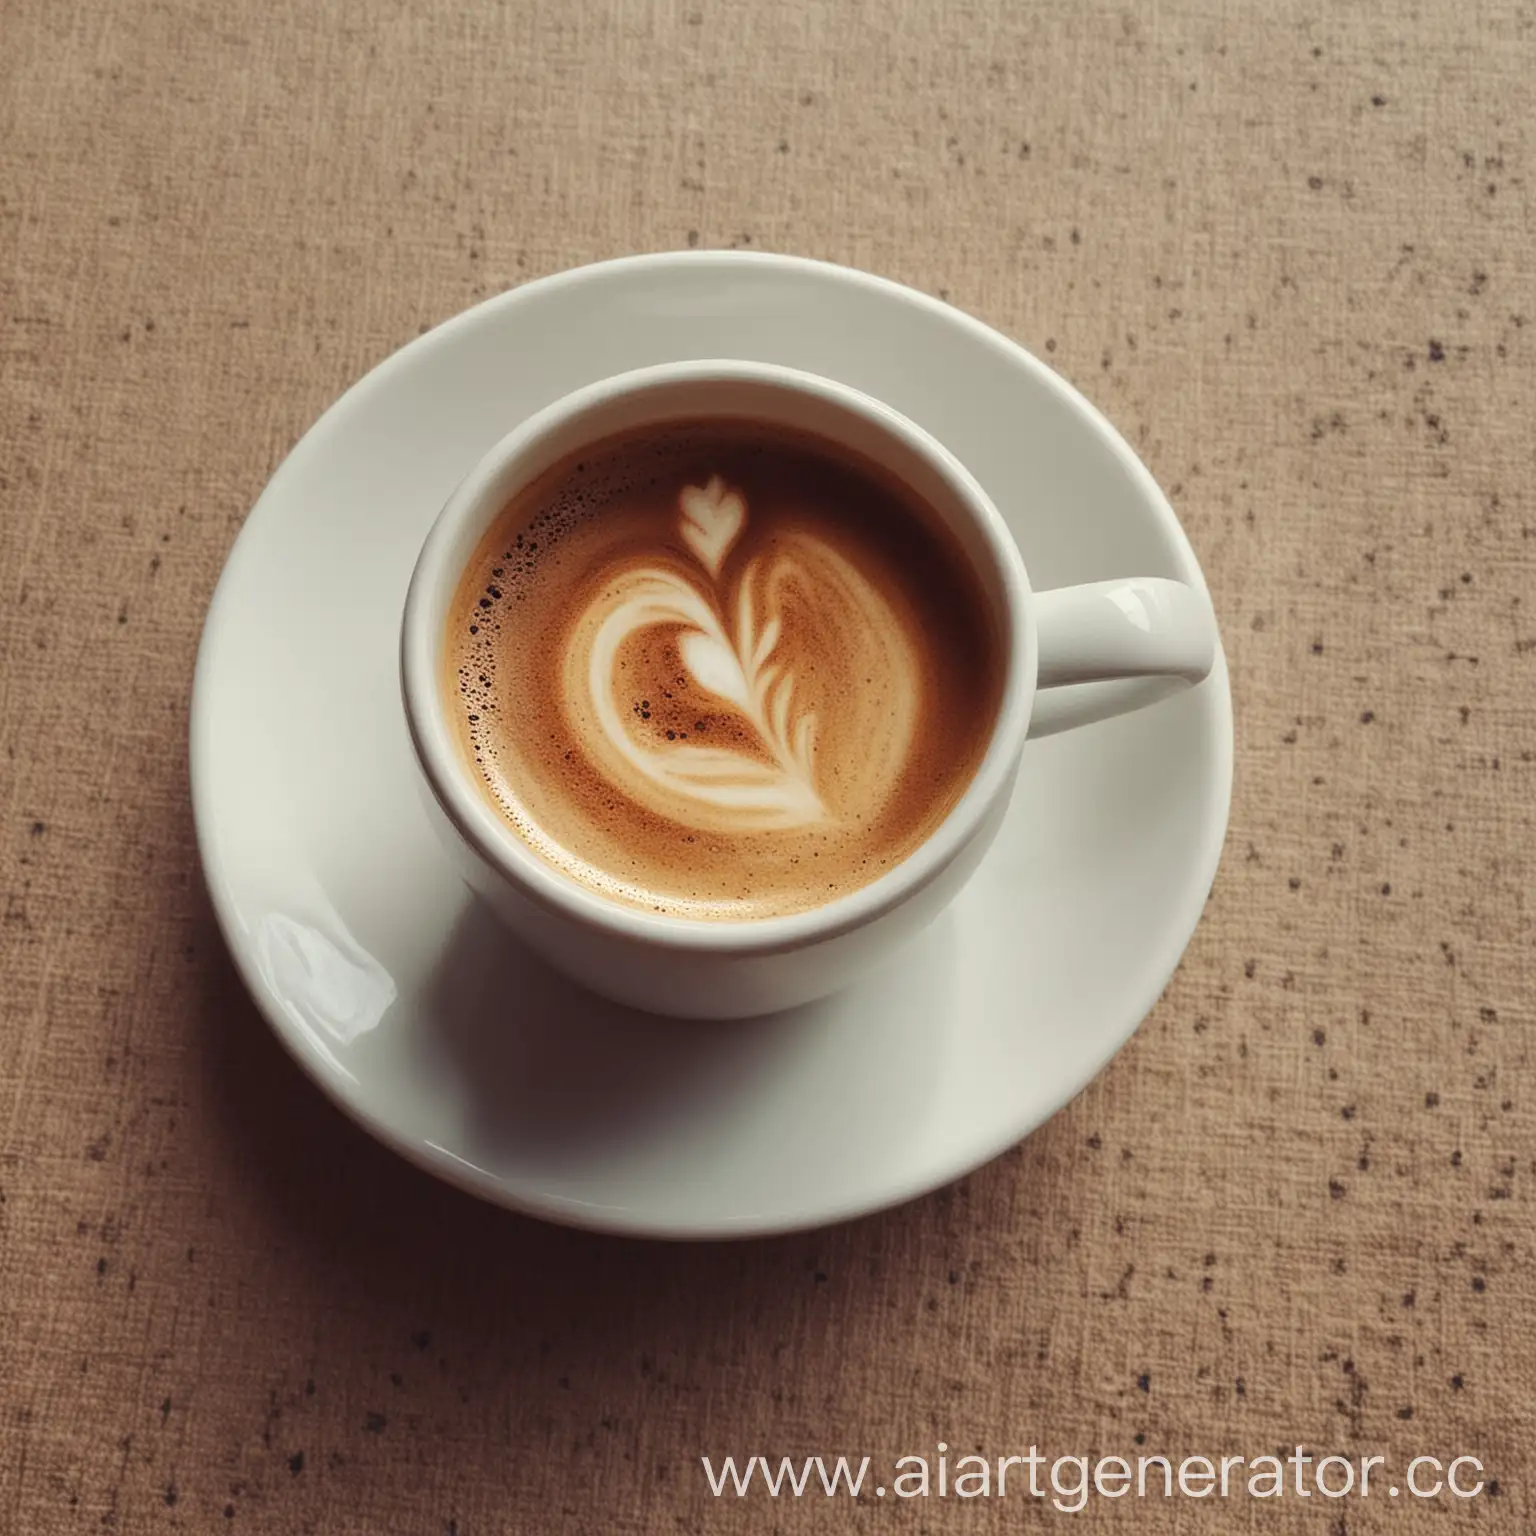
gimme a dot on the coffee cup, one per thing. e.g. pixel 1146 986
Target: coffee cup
pixel 671 962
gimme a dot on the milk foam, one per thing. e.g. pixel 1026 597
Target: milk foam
pixel 731 636
pixel 719 672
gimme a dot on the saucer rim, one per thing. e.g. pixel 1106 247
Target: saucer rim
pixel 334 1079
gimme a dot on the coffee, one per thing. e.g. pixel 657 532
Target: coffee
pixel 720 670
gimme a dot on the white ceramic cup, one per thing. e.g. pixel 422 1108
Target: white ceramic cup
pixel 701 968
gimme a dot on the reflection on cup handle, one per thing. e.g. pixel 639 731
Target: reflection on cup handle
pixel 1141 627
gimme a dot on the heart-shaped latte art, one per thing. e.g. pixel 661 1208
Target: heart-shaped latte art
pixel 730 635
pixel 712 519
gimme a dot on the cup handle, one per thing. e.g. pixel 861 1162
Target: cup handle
pixel 1140 627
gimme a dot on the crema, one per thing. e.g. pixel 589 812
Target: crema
pixel 721 670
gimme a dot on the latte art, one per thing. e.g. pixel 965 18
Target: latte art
pixel 735 642
pixel 720 670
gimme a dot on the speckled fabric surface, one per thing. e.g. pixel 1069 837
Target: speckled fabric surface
pixel 1289 249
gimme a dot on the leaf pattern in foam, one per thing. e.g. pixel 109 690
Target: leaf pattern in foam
pixel 742 674
pixel 728 637
pixel 715 666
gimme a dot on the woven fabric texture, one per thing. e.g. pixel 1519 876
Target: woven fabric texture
pixel 1288 248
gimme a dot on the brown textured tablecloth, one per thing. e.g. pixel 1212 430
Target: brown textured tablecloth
pixel 1289 249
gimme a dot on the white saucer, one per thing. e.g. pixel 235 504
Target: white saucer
pixel 425 1022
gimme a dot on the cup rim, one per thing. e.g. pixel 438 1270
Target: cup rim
pixel 424 619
